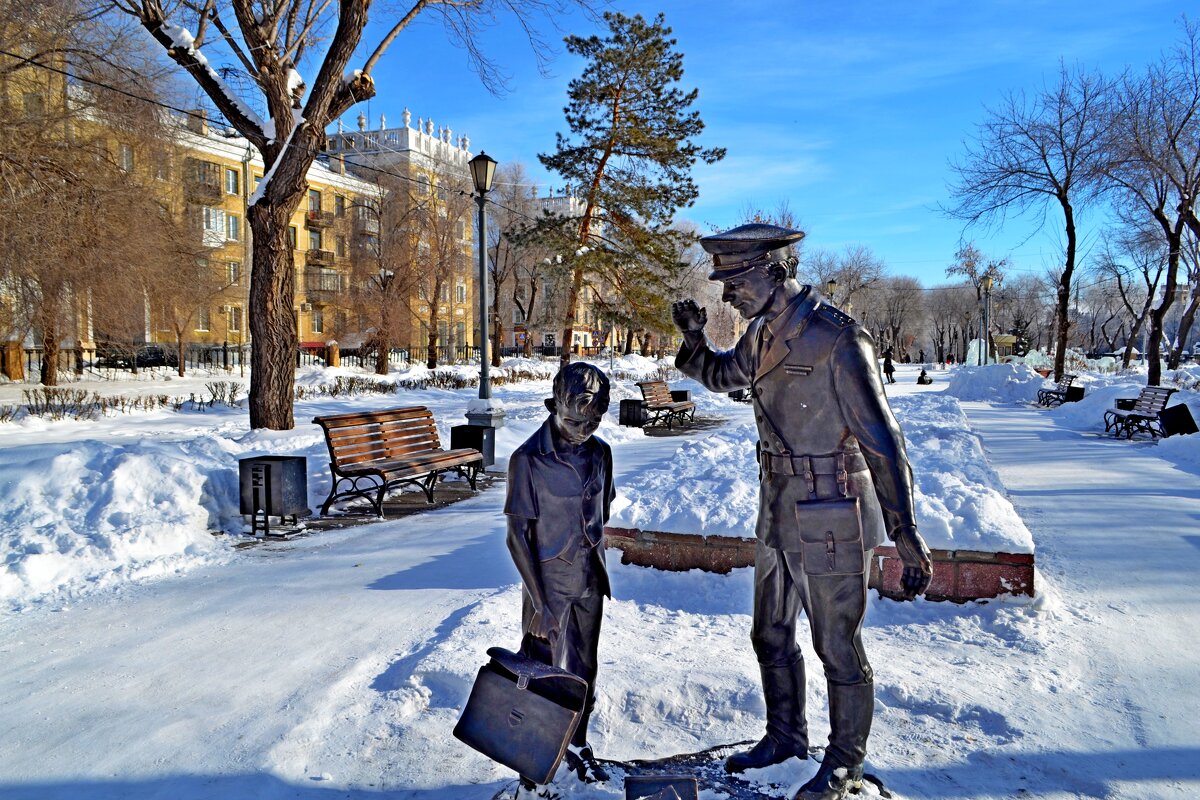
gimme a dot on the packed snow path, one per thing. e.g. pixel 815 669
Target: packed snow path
pixel 1118 542
pixel 333 666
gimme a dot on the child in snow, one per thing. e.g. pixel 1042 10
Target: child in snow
pixel 559 490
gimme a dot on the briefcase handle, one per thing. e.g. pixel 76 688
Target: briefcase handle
pixel 526 669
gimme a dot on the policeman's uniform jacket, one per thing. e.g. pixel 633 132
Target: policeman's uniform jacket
pixel 822 417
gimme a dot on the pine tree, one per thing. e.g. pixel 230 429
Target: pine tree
pixel 628 157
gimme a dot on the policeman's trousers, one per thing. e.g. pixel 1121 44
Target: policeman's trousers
pixel 835 606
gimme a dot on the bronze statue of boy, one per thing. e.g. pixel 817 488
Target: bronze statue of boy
pixel 560 487
pixel 835 480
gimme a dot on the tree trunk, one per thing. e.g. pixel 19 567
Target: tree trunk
pixel 1064 294
pixel 179 348
pixel 274 340
pixel 1185 328
pixel 628 348
pixel 497 328
pixel 568 340
pixel 431 360
pixel 48 373
pixel 383 349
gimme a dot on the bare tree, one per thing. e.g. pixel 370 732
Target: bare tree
pixel 1136 264
pixel 444 256
pixel 245 55
pixel 1154 161
pixel 1032 153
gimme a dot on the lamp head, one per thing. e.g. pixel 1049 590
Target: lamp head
pixel 483 169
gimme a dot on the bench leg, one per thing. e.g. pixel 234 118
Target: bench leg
pixel 472 476
pixel 378 501
pixel 427 485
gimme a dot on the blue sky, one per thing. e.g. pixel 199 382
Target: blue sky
pixel 848 112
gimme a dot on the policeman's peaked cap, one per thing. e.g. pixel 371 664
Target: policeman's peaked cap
pixel 745 247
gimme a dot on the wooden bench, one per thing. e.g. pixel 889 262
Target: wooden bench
pixel 663 407
pixel 1058 395
pixel 374 452
pixel 1142 415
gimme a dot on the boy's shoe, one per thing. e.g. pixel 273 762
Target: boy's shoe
pixel 583 761
pixel 528 790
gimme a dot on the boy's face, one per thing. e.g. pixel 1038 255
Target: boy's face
pixel 576 418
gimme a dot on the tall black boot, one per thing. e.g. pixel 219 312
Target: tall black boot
pixel 787 731
pixel 851 709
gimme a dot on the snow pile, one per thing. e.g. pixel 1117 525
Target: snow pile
pixel 996 383
pixel 710 486
pixel 99 513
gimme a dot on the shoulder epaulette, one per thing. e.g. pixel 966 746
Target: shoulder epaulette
pixel 835 315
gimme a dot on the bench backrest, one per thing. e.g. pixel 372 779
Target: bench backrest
pixel 1065 383
pixel 366 436
pixel 656 393
pixel 1152 400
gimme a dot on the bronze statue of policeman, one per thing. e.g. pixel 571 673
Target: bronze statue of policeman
pixel 835 480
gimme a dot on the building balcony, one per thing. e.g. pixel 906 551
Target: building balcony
pixel 323 287
pixel 202 182
pixel 318 258
pixel 366 224
pixel 317 220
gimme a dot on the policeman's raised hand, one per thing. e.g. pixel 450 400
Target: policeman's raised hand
pixel 688 316
pixel 918 564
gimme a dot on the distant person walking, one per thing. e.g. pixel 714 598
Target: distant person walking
pixel 921 356
pixel 889 369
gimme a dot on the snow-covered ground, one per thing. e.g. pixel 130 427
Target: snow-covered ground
pixel 145 657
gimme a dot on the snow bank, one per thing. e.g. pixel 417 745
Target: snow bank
pixel 710 486
pixel 996 383
pixel 97 513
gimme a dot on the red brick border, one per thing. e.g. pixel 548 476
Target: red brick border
pixel 958 575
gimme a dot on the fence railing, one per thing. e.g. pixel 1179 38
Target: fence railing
pixel 110 362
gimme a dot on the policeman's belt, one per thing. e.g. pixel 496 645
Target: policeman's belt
pixel 839 465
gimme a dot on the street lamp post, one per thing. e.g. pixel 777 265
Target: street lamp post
pixel 483 411
pixel 986 283
pixel 831 286
pixel 385 346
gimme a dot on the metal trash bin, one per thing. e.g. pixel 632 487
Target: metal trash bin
pixel 273 486
pixel 633 413
pixel 1177 420
pixel 477 437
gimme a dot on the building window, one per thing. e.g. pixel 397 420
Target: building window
pixel 162 167
pixel 232 181
pixel 314 200
pixel 340 244
pixel 318 321
pixel 235 319
pixel 233 227
pixel 460 333
pixel 518 317
pixel 292 235
pixel 445 293
pixel 203 319
pixel 443 195
pixel 314 240
pixel 339 205
pixel 125 157
pixel 460 293
pixel 461 230
pixel 234 273
pixel 423 185
pixel 257 181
